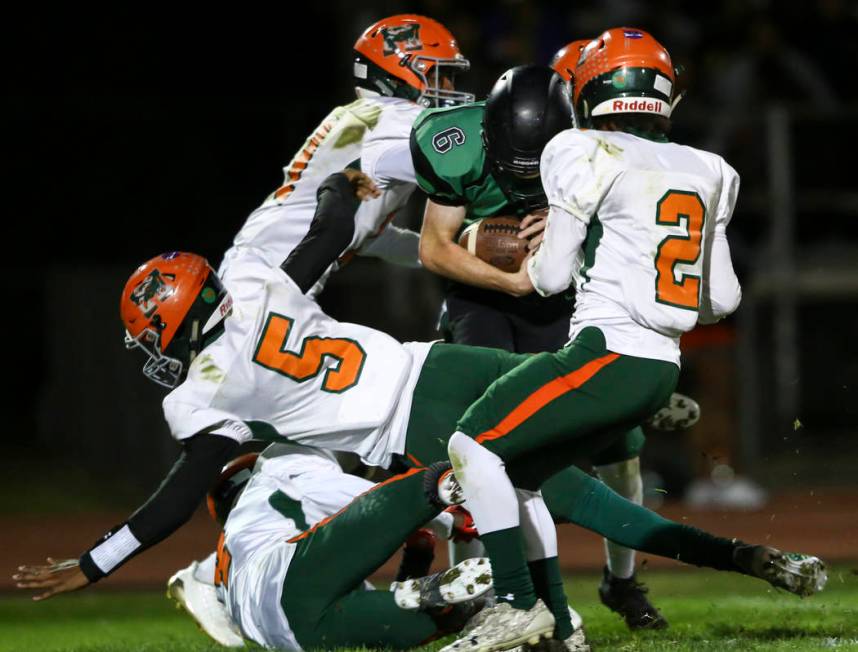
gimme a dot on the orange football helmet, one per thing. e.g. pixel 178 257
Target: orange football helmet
pixel 410 56
pixel 233 478
pixel 566 59
pixel 624 70
pixel 167 306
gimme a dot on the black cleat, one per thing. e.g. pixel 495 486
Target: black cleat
pixel 628 598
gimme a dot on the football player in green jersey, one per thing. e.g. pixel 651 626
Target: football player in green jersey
pixel 480 160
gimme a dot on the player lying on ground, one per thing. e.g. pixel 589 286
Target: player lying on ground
pixel 327 489
pixel 639 225
pixel 300 537
pixel 279 368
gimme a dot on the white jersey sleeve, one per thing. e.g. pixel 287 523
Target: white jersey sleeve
pixel 386 154
pixel 575 182
pixel 394 245
pixel 721 290
pixel 577 174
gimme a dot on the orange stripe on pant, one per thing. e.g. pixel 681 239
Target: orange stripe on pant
pixel 330 518
pixel 544 395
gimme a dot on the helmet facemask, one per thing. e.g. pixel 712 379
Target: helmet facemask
pixel 431 71
pixel 436 70
pixel 159 368
pixel 518 178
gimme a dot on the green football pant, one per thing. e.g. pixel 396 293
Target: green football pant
pixel 557 406
pixel 322 595
pixel 454 377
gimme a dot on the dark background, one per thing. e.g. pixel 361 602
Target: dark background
pixel 126 135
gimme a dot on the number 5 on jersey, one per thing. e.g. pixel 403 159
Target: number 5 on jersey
pixel 679 249
pixel 310 360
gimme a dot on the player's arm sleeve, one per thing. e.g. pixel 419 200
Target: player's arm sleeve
pixel 389 163
pixel 427 177
pixel 552 267
pixel 721 293
pixel 330 233
pixel 395 245
pixel 173 503
pixel 574 188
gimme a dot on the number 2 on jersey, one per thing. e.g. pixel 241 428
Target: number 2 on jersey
pixel 678 249
pixel 310 360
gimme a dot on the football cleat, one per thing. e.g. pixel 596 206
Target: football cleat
pixel 441 487
pixel 465 581
pixel 200 600
pixel 800 574
pixel 680 413
pixel 627 597
pixel 576 642
pixel 505 627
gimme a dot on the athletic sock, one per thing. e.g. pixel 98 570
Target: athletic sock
pixel 624 478
pixel 510 573
pixel 549 588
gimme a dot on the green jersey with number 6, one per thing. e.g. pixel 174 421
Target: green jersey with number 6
pixel 453 169
pixel 451 163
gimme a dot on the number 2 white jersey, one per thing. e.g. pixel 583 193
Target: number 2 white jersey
pixel 369 129
pixel 639 226
pixel 284 369
pixel 286 495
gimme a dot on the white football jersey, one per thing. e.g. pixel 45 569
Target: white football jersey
pixel 284 369
pixel 287 495
pixel 639 227
pixel 374 130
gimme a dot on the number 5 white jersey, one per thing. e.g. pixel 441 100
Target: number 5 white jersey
pixel 284 369
pixel 639 226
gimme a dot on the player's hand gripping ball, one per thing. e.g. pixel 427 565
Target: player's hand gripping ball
pixel 495 240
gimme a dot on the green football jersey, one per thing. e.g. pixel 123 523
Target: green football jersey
pixel 453 169
pixel 451 163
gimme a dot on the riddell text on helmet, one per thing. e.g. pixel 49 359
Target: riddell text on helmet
pixel 637 105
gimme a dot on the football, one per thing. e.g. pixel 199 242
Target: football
pixel 494 240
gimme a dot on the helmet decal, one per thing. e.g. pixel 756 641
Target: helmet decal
pixel 208 295
pixel 151 291
pixel 401 38
pixel 632 33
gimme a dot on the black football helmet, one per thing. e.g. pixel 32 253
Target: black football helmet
pixel 527 107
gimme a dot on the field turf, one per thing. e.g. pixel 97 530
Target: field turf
pixel 707 610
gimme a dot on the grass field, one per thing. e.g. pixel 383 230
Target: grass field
pixel 707 610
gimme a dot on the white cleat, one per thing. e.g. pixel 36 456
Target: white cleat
pixel 800 574
pixel 576 642
pixel 803 575
pixel 681 412
pixel 465 581
pixel 504 627
pixel 199 599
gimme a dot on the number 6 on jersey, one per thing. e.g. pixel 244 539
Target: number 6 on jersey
pixel 679 249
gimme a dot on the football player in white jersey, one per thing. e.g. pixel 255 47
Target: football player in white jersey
pixel 639 225
pixel 402 65
pixel 299 538
pixel 277 368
